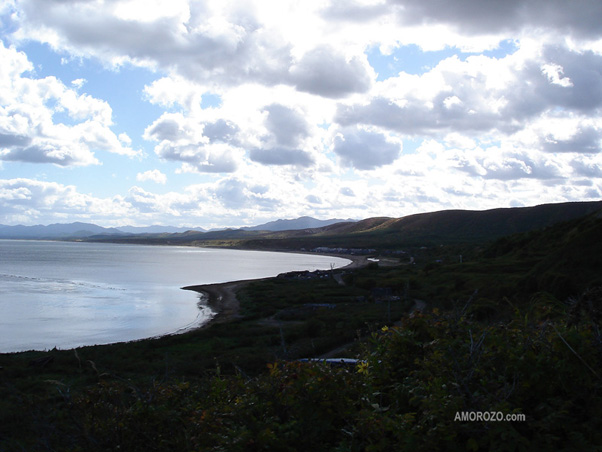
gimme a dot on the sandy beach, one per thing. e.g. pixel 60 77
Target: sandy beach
pixel 221 297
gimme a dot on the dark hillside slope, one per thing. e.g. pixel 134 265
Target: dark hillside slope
pixel 445 227
pixel 470 225
pixel 569 255
pixel 435 228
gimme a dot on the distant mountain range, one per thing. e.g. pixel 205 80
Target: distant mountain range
pixel 54 231
pixel 86 230
pixel 155 229
pixel 299 223
pixel 425 229
pixel 80 230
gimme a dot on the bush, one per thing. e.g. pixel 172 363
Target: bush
pixel 404 395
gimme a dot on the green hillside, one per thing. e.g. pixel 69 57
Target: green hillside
pixel 382 233
pixel 568 255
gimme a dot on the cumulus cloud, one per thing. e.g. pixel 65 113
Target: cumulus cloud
pixel 483 95
pixel 586 140
pixel 152 175
pixel 25 200
pixel 222 131
pixel 325 72
pixel 453 96
pixel 201 147
pixel 511 165
pixel 205 142
pixel 281 156
pixel 60 154
pixel 477 17
pixel 200 157
pixel 29 131
pixel 365 150
pixel 78 83
pixel 287 126
pixel 197 41
pixel 588 167
pixel 235 194
pixel 283 143
pixel 166 128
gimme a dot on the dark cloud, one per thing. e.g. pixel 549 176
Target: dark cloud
pixel 580 18
pixel 417 118
pixel 365 150
pixel 46 153
pixel 235 194
pixel 223 131
pixel 583 168
pixel 511 166
pixel 288 126
pixel 10 140
pixel 164 128
pixel 562 80
pixel 282 156
pixel 325 72
pixel 283 145
pixel 312 199
pixel 585 141
pixel 198 156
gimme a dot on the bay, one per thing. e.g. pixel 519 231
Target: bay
pixel 71 294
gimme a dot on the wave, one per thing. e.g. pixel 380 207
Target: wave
pixel 57 281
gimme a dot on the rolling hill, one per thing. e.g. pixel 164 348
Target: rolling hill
pixel 55 231
pixel 426 229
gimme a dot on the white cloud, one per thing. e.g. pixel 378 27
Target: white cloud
pixel 555 74
pixel 182 139
pixel 152 175
pixel 483 95
pixel 125 139
pixel 34 201
pixel 28 129
pixel 78 83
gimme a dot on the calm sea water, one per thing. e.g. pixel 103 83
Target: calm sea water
pixel 63 294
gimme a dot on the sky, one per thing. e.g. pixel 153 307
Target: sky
pixel 220 113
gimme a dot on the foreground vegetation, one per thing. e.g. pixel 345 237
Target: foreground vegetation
pixel 513 329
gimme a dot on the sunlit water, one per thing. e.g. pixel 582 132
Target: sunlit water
pixel 63 294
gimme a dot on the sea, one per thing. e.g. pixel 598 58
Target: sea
pixel 69 294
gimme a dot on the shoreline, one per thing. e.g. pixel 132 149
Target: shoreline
pixel 221 297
